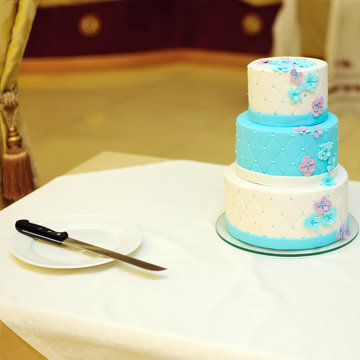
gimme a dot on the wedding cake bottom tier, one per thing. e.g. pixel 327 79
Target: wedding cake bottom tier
pixel 303 217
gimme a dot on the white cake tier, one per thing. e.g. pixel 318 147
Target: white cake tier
pixel 286 218
pixel 288 86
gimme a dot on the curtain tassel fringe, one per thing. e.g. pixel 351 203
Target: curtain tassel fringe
pixel 17 177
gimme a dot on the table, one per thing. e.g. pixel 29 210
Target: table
pixel 12 347
pixel 213 302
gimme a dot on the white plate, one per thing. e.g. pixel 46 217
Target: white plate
pixel 108 232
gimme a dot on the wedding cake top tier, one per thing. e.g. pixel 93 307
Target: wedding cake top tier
pixel 288 91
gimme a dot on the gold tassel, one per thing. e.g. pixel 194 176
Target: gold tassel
pixel 17 176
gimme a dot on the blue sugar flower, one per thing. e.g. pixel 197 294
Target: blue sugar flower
pixel 303 63
pixel 331 163
pixel 280 61
pixel 325 151
pixel 282 68
pixel 329 217
pixel 281 65
pixel 295 94
pixel 310 82
pixel 275 62
pixel 313 222
pixel 328 180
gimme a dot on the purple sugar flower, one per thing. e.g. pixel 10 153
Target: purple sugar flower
pixel 263 61
pixel 307 165
pixel 302 130
pixel 343 232
pixel 296 76
pixel 322 206
pixel 317 131
pixel 317 106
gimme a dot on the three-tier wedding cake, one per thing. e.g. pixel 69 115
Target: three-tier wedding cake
pixel 285 189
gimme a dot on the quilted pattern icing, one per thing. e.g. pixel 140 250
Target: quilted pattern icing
pixel 279 150
pixel 286 140
pixel 268 89
pixel 280 213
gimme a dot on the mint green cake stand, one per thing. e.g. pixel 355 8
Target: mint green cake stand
pixel 224 235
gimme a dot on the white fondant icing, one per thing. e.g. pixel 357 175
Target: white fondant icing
pixel 262 78
pixel 275 207
pixel 274 214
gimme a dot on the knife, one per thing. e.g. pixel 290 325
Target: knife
pixel 62 238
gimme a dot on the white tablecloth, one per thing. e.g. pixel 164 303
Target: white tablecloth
pixel 214 301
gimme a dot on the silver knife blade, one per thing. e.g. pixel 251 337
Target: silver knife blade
pixel 112 254
pixel 40 232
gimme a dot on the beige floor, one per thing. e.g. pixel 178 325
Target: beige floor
pixel 175 110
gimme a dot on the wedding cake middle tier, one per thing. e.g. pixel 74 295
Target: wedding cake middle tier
pixel 291 151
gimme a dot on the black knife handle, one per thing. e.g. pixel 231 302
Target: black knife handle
pixel 40 232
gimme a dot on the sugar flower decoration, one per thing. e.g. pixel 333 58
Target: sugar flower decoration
pixel 275 62
pixel 328 180
pixel 295 94
pixel 263 61
pixel 331 163
pixel 317 131
pixel 302 130
pixel 317 106
pixel 296 76
pixel 285 64
pixel 303 63
pixel 310 82
pixel 329 217
pixel 325 151
pixel 313 222
pixel 325 214
pixel 322 206
pixel 343 232
pixel 307 165
pixel 283 67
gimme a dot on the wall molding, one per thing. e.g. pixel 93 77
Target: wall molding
pixel 115 61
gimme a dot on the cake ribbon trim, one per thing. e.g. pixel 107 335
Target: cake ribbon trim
pixel 281 181
pixel 281 243
pixel 287 120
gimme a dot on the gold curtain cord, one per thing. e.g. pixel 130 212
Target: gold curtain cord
pixel 9 107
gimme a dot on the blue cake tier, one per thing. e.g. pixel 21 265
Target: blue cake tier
pixel 287 151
